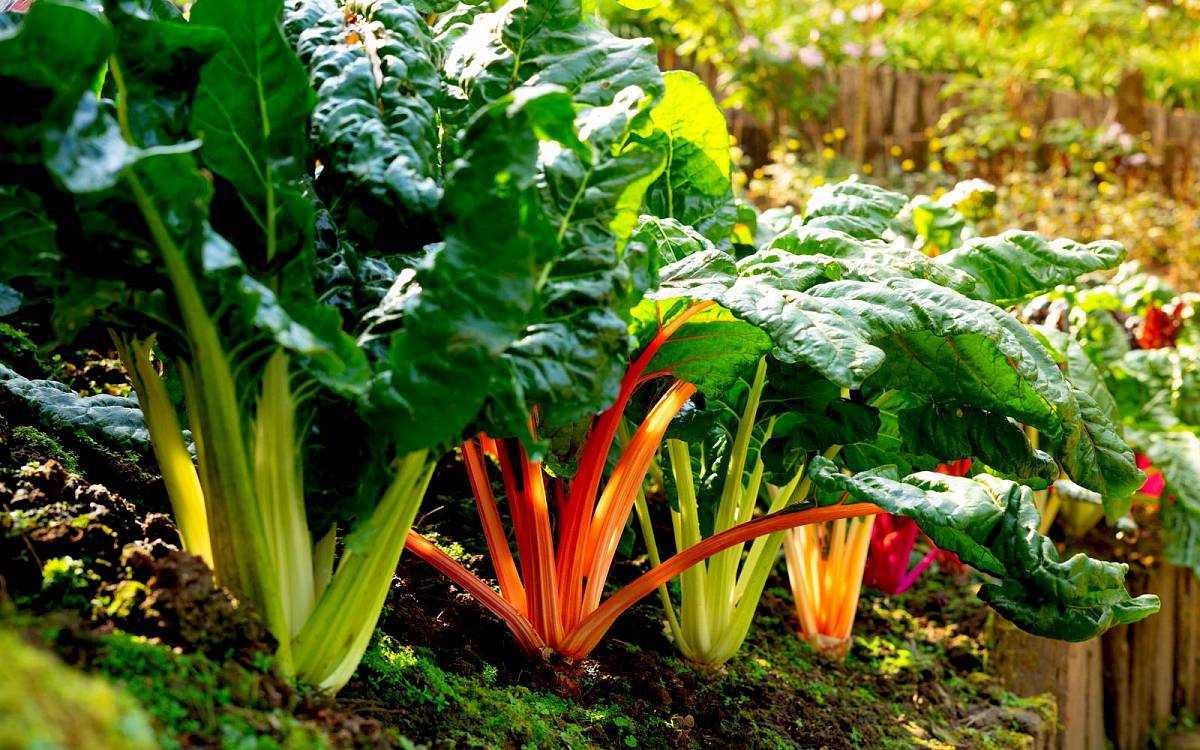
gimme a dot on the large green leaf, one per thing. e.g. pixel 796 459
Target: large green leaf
pixel 992 524
pixel 46 63
pixel 695 188
pixel 465 305
pixel 955 433
pixel 570 359
pixel 375 68
pixel 864 323
pixel 862 260
pixel 1018 264
pixel 861 210
pixel 114 421
pixel 251 112
pixel 547 42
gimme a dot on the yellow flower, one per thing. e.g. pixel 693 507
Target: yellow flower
pixel 839 133
pixel 793 144
pixel 867 169
pixel 972 153
pixel 908 165
pixel 732 139
pixel 818 181
pixel 935 145
pixel 895 150
pixel 1099 167
pixel 928 132
pixel 1026 132
pixel 1104 188
pixel 828 153
pixel 935 166
pixel 758 173
pixel 939 193
pixel 1074 149
pixel 827 137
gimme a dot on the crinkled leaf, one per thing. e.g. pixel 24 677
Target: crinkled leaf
pixel 375 67
pixel 992 524
pixel 861 210
pixel 695 188
pixel 1018 264
pixel 114 421
pixel 948 434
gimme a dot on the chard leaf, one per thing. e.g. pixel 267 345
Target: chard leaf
pixel 47 62
pixel 474 296
pixel 548 42
pixel 879 326
pixel 696 187
pixel 954 433
pixel 251 112
pixel 992 524
pixel 869 260
pixel 861 210
pixel 1018 264
pixel 114 421
pixel 375 68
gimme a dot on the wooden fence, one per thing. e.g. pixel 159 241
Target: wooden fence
pixel 1124 687
pixel 903 105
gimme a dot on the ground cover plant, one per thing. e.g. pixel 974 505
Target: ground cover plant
pixel 344 255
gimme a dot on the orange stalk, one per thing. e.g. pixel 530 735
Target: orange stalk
pixel 581 503
pixel 544 610
pixel 591 629
pixel 621 491
pixel 527 639
pixel 493 529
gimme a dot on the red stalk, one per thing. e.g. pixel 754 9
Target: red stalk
pixel 527 639
pixel 581 504
pixel 493 529
pixel 587 635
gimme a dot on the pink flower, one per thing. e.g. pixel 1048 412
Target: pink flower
pixel 868 12
pixel 810 57
pixel 1155 484
pixel 852 50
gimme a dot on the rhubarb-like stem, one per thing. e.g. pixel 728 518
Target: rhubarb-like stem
pixel 544 609
pixel 529 641
pixel 592 628
pixel 574 542
pixel 493 528
pixel 615 505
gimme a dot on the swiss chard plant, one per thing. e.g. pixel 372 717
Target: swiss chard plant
pixel 162 166
pixel 1134 339
pixel 879 361
pixel 326 238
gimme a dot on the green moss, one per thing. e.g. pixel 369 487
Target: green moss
pixel 45 704
pixel 67 582
pixel 474 711
pixel 18 351
pixel 35 441
pixel 191 696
